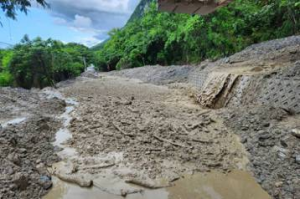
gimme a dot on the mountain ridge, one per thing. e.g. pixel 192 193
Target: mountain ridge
pixel 137 13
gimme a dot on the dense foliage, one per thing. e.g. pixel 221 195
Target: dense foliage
pixel 166 38
pixel 39 63
pixel 5 76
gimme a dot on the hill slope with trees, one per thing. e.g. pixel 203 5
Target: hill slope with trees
pixel 168 38
pixel 40 63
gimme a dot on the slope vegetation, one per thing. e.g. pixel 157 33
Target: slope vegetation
pixel 166 38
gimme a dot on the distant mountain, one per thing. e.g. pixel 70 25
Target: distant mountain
pixel 99 46
pixel 138 12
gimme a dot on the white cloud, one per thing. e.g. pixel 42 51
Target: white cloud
pixel 82 21
pixel 93 17
pixel 89 41
pixel 60 21
pixel 118 6
pixel 79 24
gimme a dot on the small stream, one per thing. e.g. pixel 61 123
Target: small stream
pixel 63 134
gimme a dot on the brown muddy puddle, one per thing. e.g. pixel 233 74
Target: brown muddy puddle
pixel 214 185
pixel 235 185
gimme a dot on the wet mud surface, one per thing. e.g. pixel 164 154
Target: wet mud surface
pixel 28 126
pixel 136 140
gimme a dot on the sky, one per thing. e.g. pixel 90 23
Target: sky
pixel 82 21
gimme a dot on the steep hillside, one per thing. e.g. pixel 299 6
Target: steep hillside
pixel 168 39
pixel 138 12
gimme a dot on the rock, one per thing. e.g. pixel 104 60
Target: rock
pixel 12 187
pixel 283 143
pixel 244 128
pixel 123 193
pixel 45 182
pixel 21 181
pixel 298 159
pixel 22 150
pixel 281 152
pixel 296 133
pixel 14 158
pixel 278 184
pixel 264 135
pixel 41 168
pixel 244 140
pixel 9 170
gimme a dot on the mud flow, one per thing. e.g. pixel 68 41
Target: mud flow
pixel 103 161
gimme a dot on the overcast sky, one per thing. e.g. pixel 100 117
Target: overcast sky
pixel 82 21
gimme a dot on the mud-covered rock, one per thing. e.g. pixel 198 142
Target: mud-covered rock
pixel 45 182
pixel 296 133
pixel 21 181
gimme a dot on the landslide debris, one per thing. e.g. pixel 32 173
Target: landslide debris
pixel 142 133
pixel 25 153
pixel 257 94
pixel 26 148
pixel 157 135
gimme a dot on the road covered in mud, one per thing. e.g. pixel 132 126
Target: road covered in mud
pixel 139 140
pixel 110 135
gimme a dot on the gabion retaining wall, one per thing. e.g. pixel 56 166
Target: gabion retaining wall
pixel 279 89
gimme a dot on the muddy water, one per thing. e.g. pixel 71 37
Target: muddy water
pixel 235 185
pixel 63 134
pixel 63 190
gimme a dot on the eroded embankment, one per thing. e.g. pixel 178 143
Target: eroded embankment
pixel 259 91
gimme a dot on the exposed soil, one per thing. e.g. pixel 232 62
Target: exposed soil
pixel 25 145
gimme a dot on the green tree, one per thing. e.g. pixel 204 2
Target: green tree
pixel 10 7
pixel 40 63
pixel 5 76
pixel 168 38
